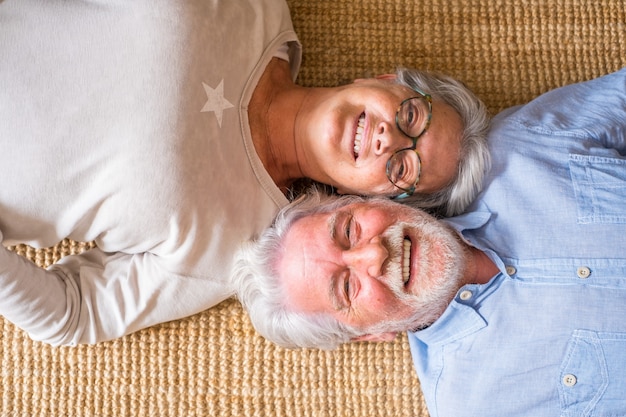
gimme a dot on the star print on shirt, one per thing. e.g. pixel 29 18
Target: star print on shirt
pixel 216 101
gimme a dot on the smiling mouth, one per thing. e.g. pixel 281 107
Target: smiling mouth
pixel 358 136
pixel 406 261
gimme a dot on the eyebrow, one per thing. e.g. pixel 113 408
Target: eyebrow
pixel 332 226
pixel 334 298
pixel 332 290
pixel 337 219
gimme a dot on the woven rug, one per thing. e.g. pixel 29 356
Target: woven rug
pixel 213 364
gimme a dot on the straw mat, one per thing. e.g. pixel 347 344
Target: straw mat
pixel 213 364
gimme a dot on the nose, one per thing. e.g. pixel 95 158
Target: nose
pixel 387 139
pixel 367 258
pixel 382 138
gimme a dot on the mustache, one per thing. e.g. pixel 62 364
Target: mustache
pixel 433 292
pixel 393 240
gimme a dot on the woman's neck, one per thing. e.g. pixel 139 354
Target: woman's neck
pixel 271 113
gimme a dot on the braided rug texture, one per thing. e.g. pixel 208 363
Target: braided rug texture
pixel 214 364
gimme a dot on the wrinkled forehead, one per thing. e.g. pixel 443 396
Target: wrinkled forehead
pixel 309 247
pixel 305 262
pixel 304 232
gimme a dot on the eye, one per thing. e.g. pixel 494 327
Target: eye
pixel 346 289
pixel 349 232
pixel 401 171
pixel 410 115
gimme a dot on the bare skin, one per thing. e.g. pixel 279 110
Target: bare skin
pixel 309 132
pixel 351 271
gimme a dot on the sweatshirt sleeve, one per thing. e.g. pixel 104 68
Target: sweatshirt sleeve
pixel 91 297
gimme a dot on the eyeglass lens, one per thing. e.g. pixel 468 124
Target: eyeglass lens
pixel 404 167
pixel 413 116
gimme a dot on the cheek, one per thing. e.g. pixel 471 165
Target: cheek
pixel 365 182
pixel 378 300
pixel 445 163
pixel 381 303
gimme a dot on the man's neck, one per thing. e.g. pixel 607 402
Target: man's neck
pixel 482 268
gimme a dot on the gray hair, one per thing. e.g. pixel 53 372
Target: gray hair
pixel 256 281
pixel 474 158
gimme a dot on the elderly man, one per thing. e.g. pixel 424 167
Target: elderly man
pixel 536 327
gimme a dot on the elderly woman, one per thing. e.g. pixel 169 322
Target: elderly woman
pixel 168 132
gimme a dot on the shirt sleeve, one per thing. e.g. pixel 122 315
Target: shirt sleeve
pixel 593 109
pixel 91 297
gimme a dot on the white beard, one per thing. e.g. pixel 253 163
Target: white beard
pixel 435 282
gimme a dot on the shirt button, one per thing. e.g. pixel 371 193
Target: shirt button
pixel 583 272
pixel 510 270
pixel 466 295
pixel 569 380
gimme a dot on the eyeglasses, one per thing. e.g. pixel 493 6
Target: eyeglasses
pixel 404 167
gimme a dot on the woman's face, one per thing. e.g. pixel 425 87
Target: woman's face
pixel 327 134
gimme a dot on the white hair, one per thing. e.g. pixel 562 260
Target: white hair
pixel 255 277
pixel 475 159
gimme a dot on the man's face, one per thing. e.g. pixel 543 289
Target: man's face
pixel 378 266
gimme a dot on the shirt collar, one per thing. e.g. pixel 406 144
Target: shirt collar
pixel 465 223
pixel 460 320
pixel 477 218
pixel 457 321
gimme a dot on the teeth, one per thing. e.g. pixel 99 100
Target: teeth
pixel 359 135
pixel 406 261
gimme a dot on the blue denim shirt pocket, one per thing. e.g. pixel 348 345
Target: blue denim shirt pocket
pixel 600 188
pixel 592 377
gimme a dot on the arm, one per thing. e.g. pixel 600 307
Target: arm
pixel 95 296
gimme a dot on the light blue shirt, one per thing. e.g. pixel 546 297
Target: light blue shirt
pixel 547 335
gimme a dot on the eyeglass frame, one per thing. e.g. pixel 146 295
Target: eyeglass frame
pixel 429 100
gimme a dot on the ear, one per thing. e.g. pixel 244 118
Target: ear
pixel 388 77
pixel 380 337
